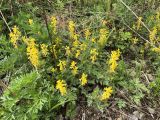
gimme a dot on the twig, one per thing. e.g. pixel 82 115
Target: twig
pixel 137 33
pixel 121 112
pixel 134 14
pixel 5 20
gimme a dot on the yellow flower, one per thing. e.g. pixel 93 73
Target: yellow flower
pixel 68 51
pixel 113 60
pixel 156 49
pixel 158 15
pixel 87 33
pixel 152 35
pixel 139 22
pixel 61 86
pixel 44 49
pixel 25 40
pixel 62 65
pixel 103 36
pixel 106 93
pixel 74 68
pixel 53 70
pixel 135 40
pixel 76 43
pixel 93 54
pixel 78 53
pixel 93 40
pixel 83 46
pixel 75 37
pixel 73 64
pixel 54 51
pixel 71 28
pixel 146 45
pixel 54 24
pixel 30 21
pixel 32 52
pixel 14 36
pixel 83 79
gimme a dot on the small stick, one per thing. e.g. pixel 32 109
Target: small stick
pixel 134 14
pixel 5 20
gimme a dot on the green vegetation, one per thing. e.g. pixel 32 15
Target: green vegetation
pixel 62 55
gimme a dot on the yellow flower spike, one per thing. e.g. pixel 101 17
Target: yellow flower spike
pixel 25 40
pixel 32 52
pixel 71 28
pixel 113 60
pixel 83 46
pixel 53 70
pixel 103 36
pixel 68 51
pixel 93 40
pixel 76 43
pixel 83 79
pixel 156 49
pixel 93 54
pixel 158 15
pixel 74 68
pixel 14 36
pixel 44 49
pixel 30 21
pixel 62 65
pixel 152 35
pixel 106 93
pixel 139 22
pixel 54 51
pixel 75 37
pixel 54 24
pixel 62 87
pixel 78 53
pixel 73 64
pixel 87 33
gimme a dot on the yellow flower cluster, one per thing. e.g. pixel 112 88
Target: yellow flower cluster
pixel 135 40
pixel 61 86
pixel 71 28
pixel 74 68
pixel 87 33
pixel 76 43
pixel 152 35
pixel 93 40
pixel 30 21
pixel 54 51
pixel 44 49
pixel 32 52
pixel 53 70
pixel 139 22
pixel 54 24
pixel 158 15
pixel 14 36
pixel 62 65
pixel 113 60
pixel 25 40
pixel 68 51
pixel 106 93
pixel 93 54
pixel 156 49
pixel 83 46
pixel 83 79
pixel 78 52
pixel 103 36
